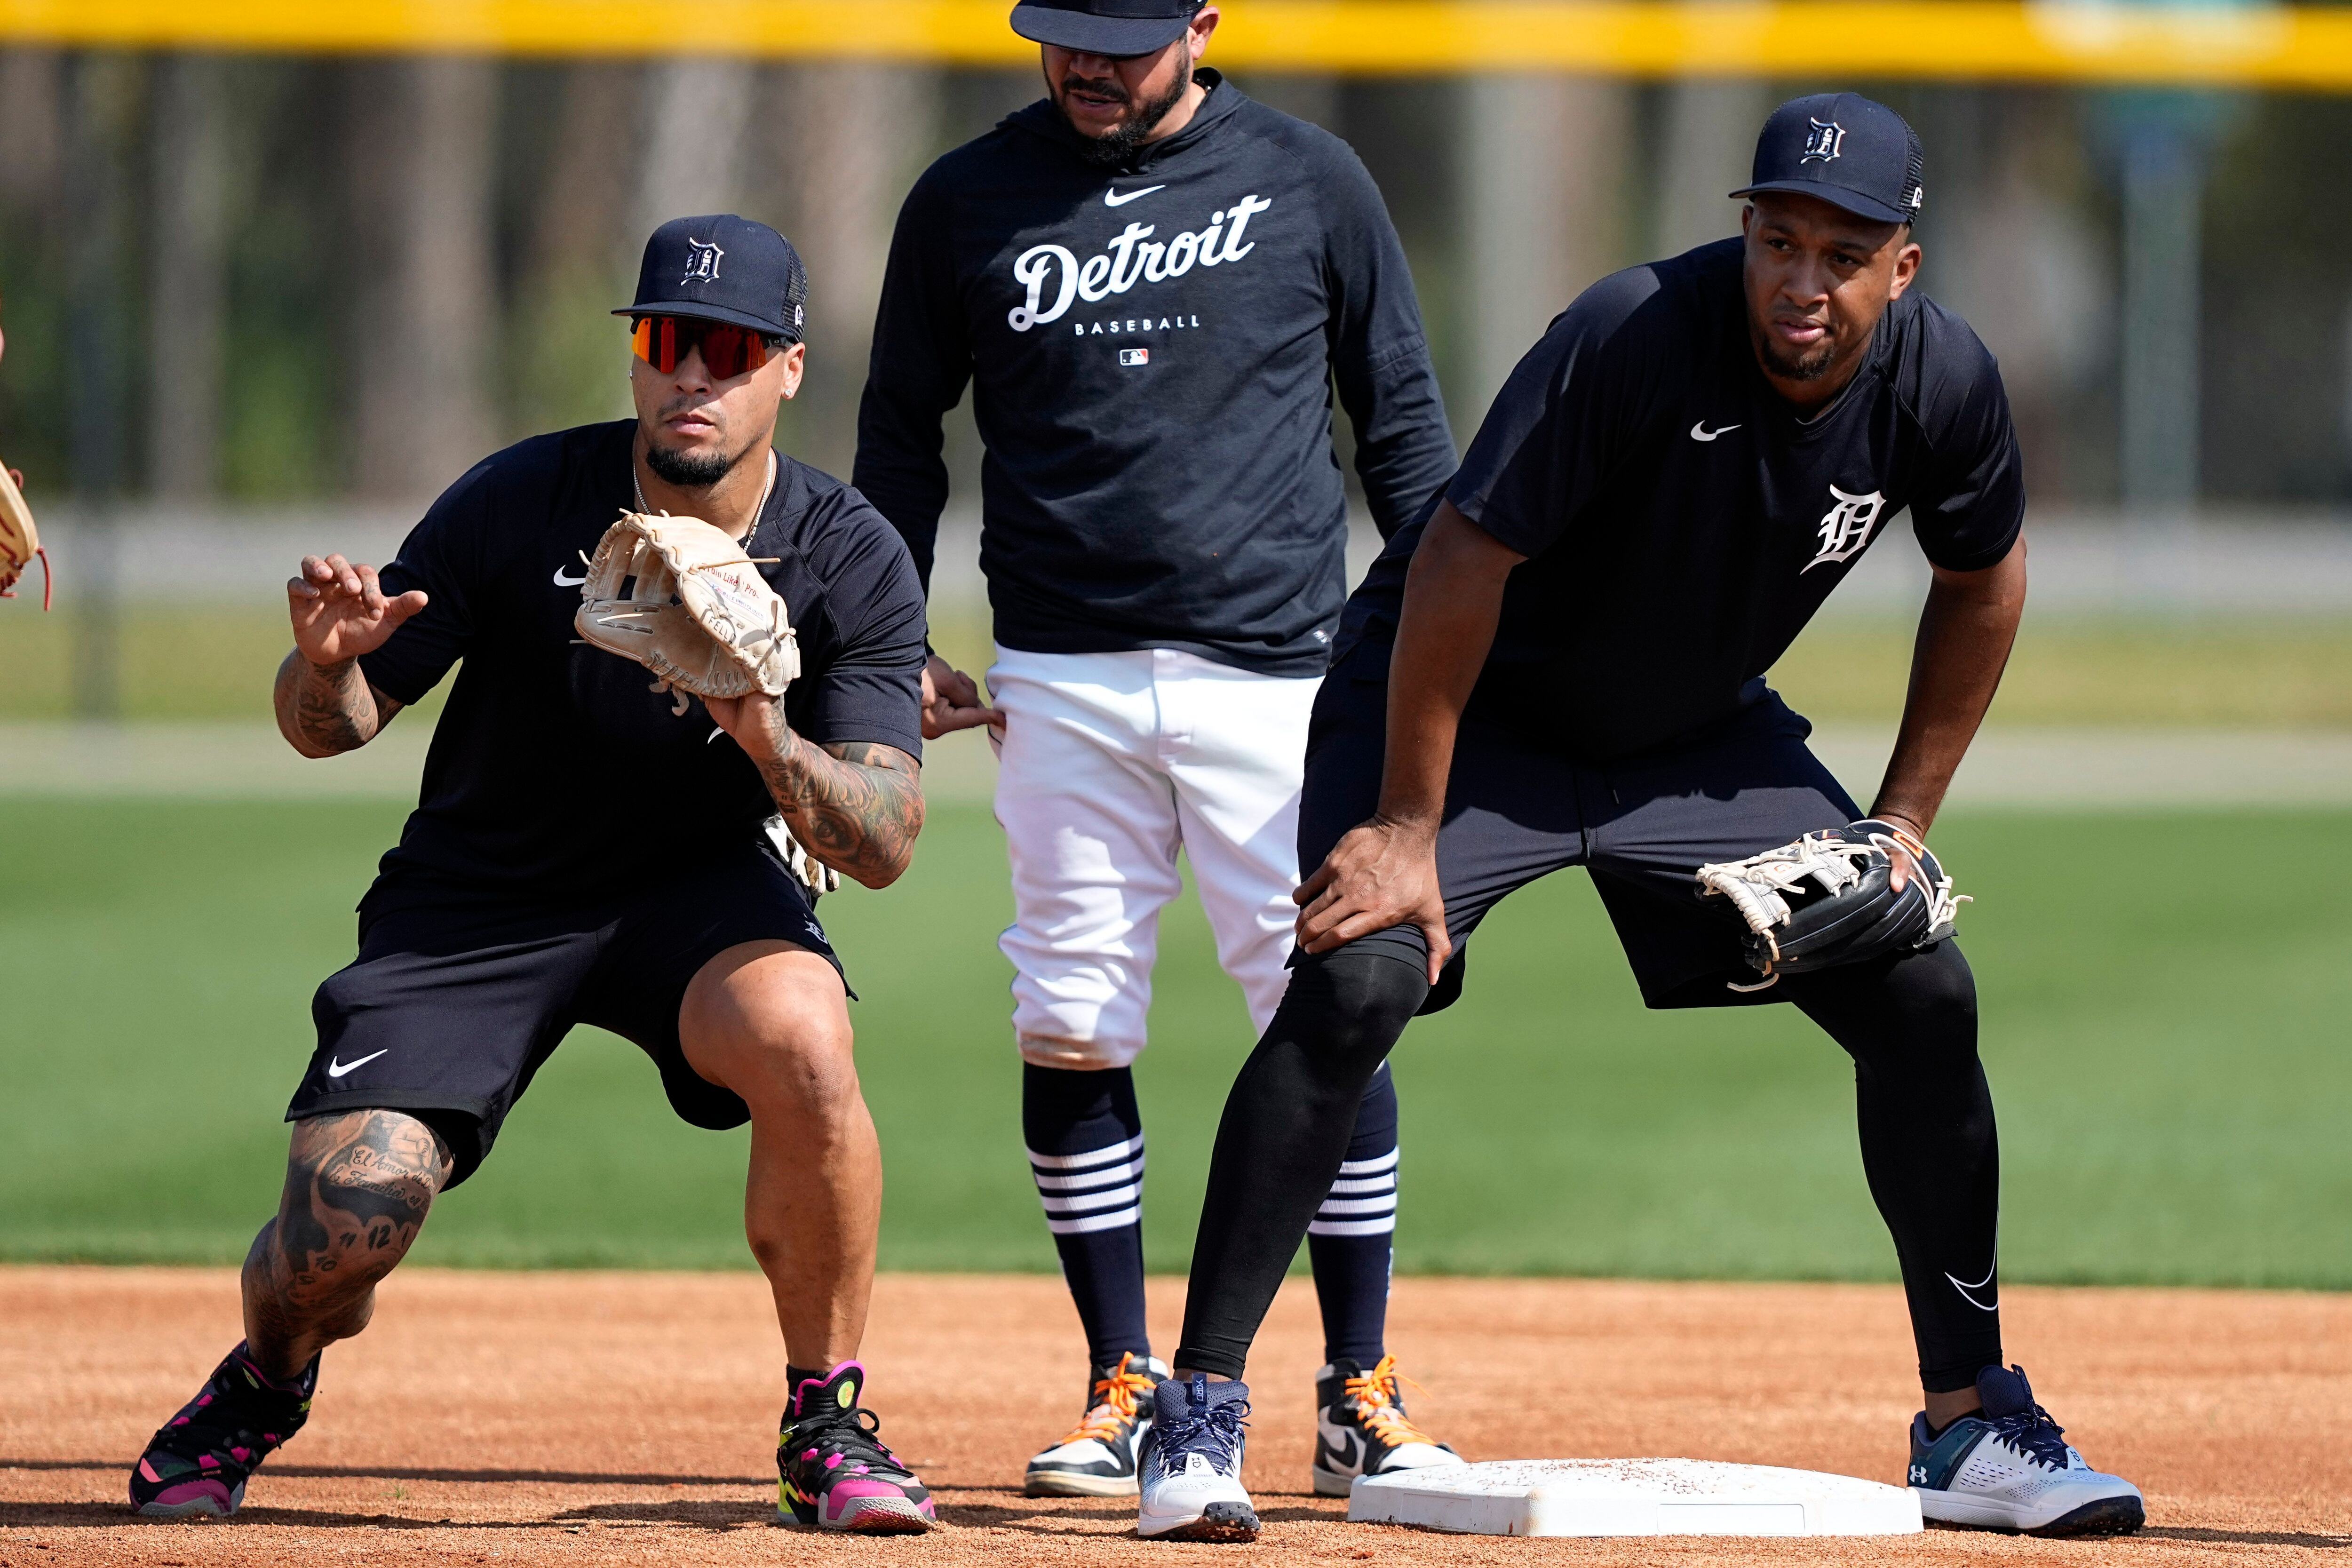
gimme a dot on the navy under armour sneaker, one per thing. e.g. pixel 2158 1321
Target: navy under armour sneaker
pixel 199 1461
pixel 2011 1468
pixel 1192 1464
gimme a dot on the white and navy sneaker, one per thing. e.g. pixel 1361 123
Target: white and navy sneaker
pixel 2011 1468
pixel 1191 1465
pixel 1097 1458
pixel 1362 1429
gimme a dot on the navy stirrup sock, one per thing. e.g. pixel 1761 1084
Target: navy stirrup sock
pixel 1085 1152
pixel 1349 1243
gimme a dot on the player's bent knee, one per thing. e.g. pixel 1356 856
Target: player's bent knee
pixel 771 1022
pixel 1351 1003
pixel 358 1188
pixel 1936 993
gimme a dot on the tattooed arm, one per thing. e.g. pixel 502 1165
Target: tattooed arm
pixel 358 1187
pixel 854 804
pixel 324 712
pixel 325 707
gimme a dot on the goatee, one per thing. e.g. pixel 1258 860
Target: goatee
pixel 1809 364
pixel 689 471
pixel 1116 147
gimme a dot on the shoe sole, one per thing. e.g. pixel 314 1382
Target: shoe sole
pixel 1062 1483
pixel 1229 1521
pixel 203 1506
pixel 1329 1485
pixel 2101 1516
pixel 877 1518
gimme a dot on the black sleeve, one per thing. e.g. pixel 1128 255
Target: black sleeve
pixel 921 363
pixel 443 555
pixel 1561 419
pixel 1971 506
pixel 872 686
pixel 1379 354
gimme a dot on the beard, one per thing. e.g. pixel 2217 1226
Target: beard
pixel 689 471
pixel 1807 364
pixel 1117 146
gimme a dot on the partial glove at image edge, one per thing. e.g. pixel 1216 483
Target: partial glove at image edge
pixel 20 540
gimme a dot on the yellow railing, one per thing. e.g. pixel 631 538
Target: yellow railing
pixel 2295 48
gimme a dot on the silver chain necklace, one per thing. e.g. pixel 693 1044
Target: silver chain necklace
pixel 638 487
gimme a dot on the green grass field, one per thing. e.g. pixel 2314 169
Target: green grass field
pixel 2165 1000
pixel 2286 674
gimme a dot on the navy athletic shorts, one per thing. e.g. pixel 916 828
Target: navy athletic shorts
pixel 1515 810
pixel 455 1000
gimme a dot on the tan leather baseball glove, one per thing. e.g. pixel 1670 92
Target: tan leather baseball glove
pixel 698 615
pixel 20 541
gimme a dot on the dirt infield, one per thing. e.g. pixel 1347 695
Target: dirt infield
pixel 626 1417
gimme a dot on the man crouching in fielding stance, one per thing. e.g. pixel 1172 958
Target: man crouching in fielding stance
pixel 518 902
pixel 1562 665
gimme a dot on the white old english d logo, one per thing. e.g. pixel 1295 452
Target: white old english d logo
pixel 1846 527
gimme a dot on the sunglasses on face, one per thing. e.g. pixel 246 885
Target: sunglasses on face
pixel 662 341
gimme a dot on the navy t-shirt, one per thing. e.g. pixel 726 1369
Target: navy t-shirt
pixel 556 766
pixel 1681 523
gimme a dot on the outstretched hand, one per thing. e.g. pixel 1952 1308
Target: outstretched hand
pixel 1380 875
pixel 952 700
pixel 339 611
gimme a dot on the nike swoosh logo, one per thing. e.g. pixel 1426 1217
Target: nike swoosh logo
pixel 1965 1288
pixel 1338 1458
pixel 563 582
pixel 336 1069
pixel 1113 199
pixel 1699 432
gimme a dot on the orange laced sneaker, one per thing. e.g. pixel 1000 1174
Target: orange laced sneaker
pixel 1097 1457
pixel 1362 1428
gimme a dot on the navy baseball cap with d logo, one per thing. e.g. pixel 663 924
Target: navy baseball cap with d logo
pixel 723 268
pixel 1115 27
pixel 1844 149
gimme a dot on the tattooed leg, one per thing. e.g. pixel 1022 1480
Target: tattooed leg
pixel 357 1189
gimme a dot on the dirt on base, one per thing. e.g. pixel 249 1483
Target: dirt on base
pixel 587 1418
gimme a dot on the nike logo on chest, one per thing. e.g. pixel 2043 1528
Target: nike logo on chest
pixel 1699 432
pixel 1113 199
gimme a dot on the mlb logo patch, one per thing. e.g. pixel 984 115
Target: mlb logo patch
pixel 1134 356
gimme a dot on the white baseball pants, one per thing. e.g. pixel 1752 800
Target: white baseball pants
pixel 1108 764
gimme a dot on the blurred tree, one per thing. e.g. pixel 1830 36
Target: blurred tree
pixel 2276 362
pixel 567 357
pixel 422 138
pixel 188 276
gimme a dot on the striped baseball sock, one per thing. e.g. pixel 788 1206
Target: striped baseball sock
pixel 1085 1152
pixel 1349 1241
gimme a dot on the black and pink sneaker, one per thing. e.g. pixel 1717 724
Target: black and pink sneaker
pixel 199 1461
pixel 836 1475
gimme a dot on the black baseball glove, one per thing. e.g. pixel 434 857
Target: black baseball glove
pixel 1827 900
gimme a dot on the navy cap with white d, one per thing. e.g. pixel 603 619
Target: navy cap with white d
pixel 726 269
pixel 1115 27
pixel 1844 149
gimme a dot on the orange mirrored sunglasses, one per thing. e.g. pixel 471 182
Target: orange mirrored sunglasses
pixel 726 351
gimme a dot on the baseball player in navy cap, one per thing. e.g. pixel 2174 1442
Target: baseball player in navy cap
pixel 1152 285
pixel 520 902
pixel 1561 662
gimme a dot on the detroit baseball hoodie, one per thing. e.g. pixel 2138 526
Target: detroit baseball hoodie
pixel 1152 350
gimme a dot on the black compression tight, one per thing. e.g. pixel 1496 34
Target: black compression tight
pixel 1925 1115
pixel 1283 1137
